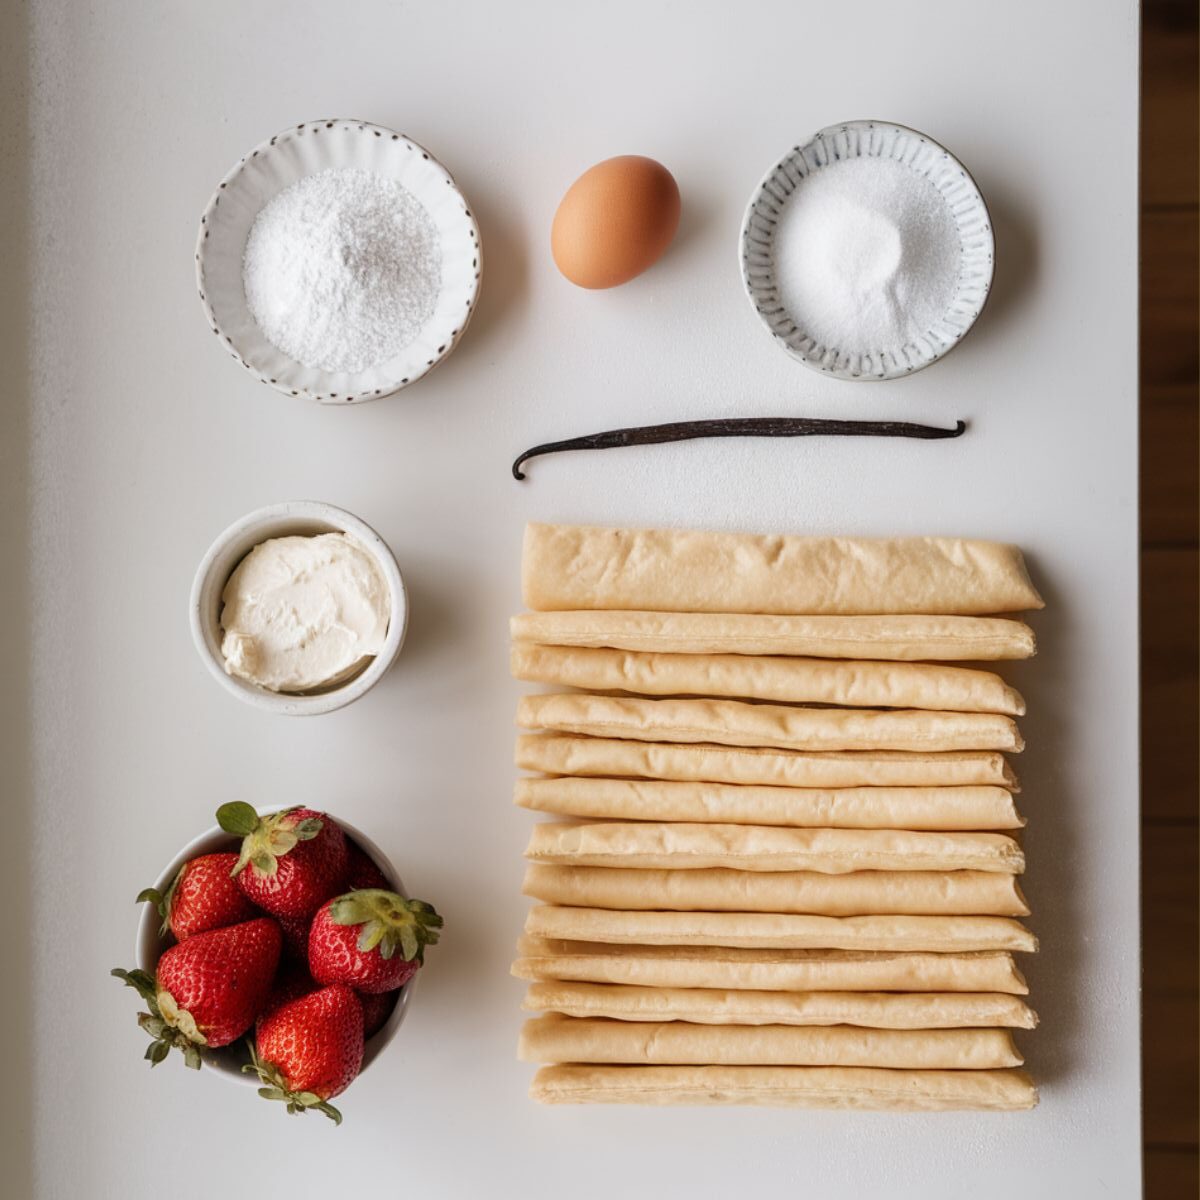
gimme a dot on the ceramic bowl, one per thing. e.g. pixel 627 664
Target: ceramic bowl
pixel 825 151
pixel 303 517
pixel 278 163
pixel 150 945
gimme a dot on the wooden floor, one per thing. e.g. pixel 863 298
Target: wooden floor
pixel 1170 569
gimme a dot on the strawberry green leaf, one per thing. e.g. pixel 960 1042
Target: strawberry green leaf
pixel 409 946
pixel 389 922
pixel 309 828
pixel 371 934
pixel 237 817
pixel 163 901
pixel 350 910
pixel 154 1026
pixel 276 1088
pixel 264 862
pixel 140 982
pixel 268 839
pixel 280 841
pixel 157 1051
pixel 162 1027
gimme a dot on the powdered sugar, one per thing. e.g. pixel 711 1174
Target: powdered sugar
pixel 342 269
pixel 866 255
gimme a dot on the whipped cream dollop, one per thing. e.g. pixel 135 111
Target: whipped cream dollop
pixel 301 613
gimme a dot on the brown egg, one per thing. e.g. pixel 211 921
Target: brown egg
pixel 616 220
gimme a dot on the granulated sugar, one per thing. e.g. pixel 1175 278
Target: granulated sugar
pixel 866 255
pixel 342 269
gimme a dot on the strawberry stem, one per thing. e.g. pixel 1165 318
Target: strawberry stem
pixel 389 921
pixel 264 839
pixel 276 1087
pixel 163 1035
pixel 162 901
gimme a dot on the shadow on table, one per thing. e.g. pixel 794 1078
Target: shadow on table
pixel 1051 803
pixel 16 733
pixel 504 287
pixel 1018 258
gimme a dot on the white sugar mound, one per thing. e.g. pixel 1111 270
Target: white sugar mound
pixel 342 269
pixel 866 255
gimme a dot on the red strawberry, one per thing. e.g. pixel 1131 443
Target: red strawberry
pixel 291 862
pixel 291 983
pixel 310 1050
pixel 207 990
pixel 377 1007
pixel 202 896
pixel 295 938
pixel 363 873
pixel 371 939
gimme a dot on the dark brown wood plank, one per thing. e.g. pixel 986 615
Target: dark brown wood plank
pixel 1170 430
pixel 1168 298
pixel 1170 709
pixel 1169 1070
pixel 1169 108
pixel 1169 914
pixel 1168 330
pixel 1171 984
pixel 1171 1174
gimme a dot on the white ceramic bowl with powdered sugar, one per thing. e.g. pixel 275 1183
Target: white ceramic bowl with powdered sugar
pixel 338 261
pixel 868 251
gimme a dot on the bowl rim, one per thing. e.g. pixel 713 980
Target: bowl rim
pixel 838 372
pixel 209 842
pixel 297 703
pixel 353 396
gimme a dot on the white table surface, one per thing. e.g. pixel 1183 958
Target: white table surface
pixel 146 440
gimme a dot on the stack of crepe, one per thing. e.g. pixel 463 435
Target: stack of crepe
pixel 783 868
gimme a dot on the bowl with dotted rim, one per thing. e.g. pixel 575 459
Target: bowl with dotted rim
pixel 839 143
pixel 283 160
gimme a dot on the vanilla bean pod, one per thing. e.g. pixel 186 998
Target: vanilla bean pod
pixel 680 431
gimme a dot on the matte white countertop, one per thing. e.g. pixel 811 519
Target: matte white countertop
pixel 146 441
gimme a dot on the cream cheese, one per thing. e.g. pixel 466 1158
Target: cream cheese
pixel 300 613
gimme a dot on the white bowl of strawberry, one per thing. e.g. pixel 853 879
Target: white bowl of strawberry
pixel 278 949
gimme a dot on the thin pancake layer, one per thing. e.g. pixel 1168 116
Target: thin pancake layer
pixel 854 1088
pixel 861 893
pixel 765 969
pixel 710 1006
pixel 782 680
pixel 776 726
pixel 561 754
pixel 903 638
pixel 779 930
pixel 555 1038
pixel 675 570
pixel 933 808
pixel 695 846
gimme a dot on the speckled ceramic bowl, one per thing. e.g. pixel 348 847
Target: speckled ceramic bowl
pixel 825 151
pixel 281 161
pixel 150 945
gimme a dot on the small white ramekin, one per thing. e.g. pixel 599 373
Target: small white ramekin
pixel 151 944
pixel 303 517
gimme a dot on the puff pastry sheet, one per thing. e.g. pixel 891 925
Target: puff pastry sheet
pixel 860 1088
pixel 577 566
